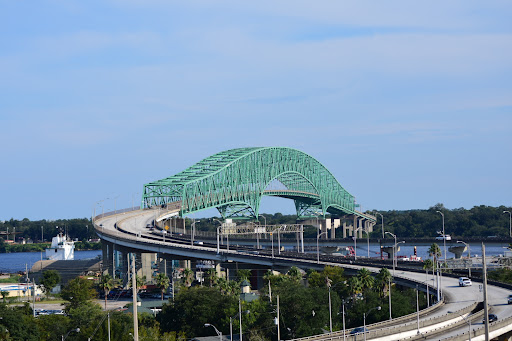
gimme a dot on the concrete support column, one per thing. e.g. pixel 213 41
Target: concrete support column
pixel 345 229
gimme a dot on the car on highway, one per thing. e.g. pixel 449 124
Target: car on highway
pixel 358 330
pixel 464 282
pixel 509 300
pixel 492 318
pixel 198 242
pixel 444 237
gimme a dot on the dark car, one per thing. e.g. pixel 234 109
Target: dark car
pixel 492 318
pixel 358 330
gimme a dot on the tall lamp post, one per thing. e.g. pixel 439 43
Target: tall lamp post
pixel 239 314
pixel 382 218
pixel 216 330
pixel 444 236
pixel 469 255
pixel 318 247
pixel 466 319
pixel 364 320
pixel 193 231
pixel 355 242
pixel 218 235
pixel 72 330
pixel 394 251
pixel 330 308
pixel 510 222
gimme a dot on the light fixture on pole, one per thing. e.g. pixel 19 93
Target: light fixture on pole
pixel 193 231
pixel 469 255
pixel 510 221
pixel 72 330
pixel 328 282
pixel 216 330
pixel 318 247
pixel 355 242
pixel 394 251
pixel 466 319
pixel 234 317
pixel 218 234
pixel 382 218
pixel 364 319
pixel 444 236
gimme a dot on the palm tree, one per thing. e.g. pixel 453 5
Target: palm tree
pixel 222 284
pixel 243 274
pixel 4 294
pixel 434 251
pixel 384 278
pixel 365 277
pixel 294 274
pixel 162 281
pixel 211 274
pixel 106 284
pixel 355 286
pixel 187 273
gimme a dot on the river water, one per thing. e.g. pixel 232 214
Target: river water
pixel 16 261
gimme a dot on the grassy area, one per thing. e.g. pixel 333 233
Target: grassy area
pixel 11 279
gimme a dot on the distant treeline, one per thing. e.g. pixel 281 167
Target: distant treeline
pixel 479 221
pixel 80 229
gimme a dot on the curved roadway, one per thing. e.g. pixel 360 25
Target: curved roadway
pixel 129 229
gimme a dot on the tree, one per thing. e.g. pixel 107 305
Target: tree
pixel 243 274
pixel 187 274
pixel 50 279
pixel 383 279
pixel 162 282
pixel 78 291
pixel 365 277
pixel 4 294
pixel 434 251
pixel 294 274
pixel 355 286
pixel 106 284
pixel 211 275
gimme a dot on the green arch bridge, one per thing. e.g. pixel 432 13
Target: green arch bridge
pixel 234 181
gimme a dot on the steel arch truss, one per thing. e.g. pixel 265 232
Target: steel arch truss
pixel 235 180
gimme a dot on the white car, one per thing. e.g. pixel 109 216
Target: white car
pixel 444 237
pixel 464 282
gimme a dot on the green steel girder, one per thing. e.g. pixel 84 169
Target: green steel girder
pixel 234 181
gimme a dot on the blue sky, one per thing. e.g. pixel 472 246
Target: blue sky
pixel 408 104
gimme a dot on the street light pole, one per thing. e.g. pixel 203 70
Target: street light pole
pixel 444 237
pixel 364 320
pixel 318 247
pixel 382 217
pixel 216 330
pixel 510 222
pixel 193 230
pixel 218 235
pixel 469 255
pixel 394 251
pixel 355 242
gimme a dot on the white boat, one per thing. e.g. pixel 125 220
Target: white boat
pixel 61 248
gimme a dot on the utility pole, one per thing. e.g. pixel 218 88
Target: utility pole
pixel 279 330
pixel 134 293
pixel 486 309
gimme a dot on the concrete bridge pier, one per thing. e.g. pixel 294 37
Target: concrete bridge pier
pixel 107 250
pixel 389 250
pixel 457 250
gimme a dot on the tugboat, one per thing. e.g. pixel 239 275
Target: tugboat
pixel 61 248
